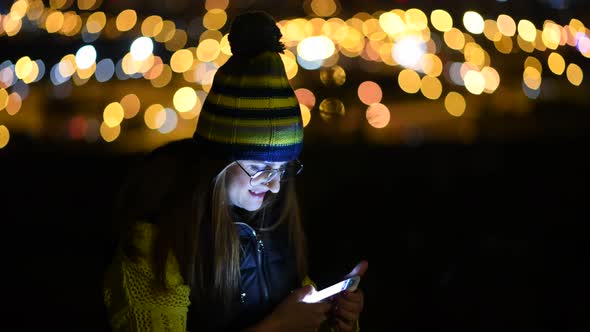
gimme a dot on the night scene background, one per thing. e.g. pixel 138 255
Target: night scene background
pixel 445 142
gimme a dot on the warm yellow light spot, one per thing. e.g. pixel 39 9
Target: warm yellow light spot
pixel 506 25
pixel 129 65
pixel 216 4
pixel 185 99
pixel 294 30
pixel 409 81
pixel 370 27
pixel 4 136
pixel 57 4
pixel 305 114
pixel 151 26
pixel 474 54
pixel 556 63
pixel 67 66
pixel 131 105
pixel 524 45
pixel 392 23
pixel 167 32
pixel 96 22
pixel 551 35
pixel 3 98
pixel 215 19
pixel 353 44
pixel 290 63
pixel 154 116
pixel 575 74
pixel 14 103
pixel 335 28
pixel 314 26
pixel 539 44
pixel 109 134
pixel 88 4
pixel 35 10
pixel 72 24
pixel 19 9
pixel 455 104
pixel 454 39
pixel 441 20
pixel 369 92
pixel 378 115
pixel 54 22
pixel 490 30
pixel 86 72
pixel 208 50
pixel 386 55
pixel 527 30
pixel 23 67
pixel 532 78
pixel 473 22
pixel 10 24
pixel 533 62
pixel 324 8
pixel 113 114
pixel 474 82
pixel 178 41
pixel 416 19
pixel 491 78
pixel 431 87
pixel 33 74
pixel 181 61
pixel 164 78
pixel 504 45
pixel 155 70
pixel 126 20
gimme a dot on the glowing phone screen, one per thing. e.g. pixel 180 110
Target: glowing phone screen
pixel 327 292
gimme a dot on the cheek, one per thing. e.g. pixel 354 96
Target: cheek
pixel 237 185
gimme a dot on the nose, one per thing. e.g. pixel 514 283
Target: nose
pixel 274 185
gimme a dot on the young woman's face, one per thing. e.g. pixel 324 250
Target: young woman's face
pixel 240 190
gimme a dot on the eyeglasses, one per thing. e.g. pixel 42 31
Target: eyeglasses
pixel 267 174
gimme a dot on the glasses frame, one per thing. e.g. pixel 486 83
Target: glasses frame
pixel 273 172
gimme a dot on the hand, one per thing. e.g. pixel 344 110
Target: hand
pixel 349 305
pixel 294 315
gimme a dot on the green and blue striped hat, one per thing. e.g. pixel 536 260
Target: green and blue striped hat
pixel 251 111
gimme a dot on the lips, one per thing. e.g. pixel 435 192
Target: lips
pixel 257 195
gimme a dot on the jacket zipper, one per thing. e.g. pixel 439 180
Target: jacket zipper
pixel 260 266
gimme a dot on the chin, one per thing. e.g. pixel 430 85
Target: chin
pixel 252 207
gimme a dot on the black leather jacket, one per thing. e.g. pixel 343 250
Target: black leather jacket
pixel 268 274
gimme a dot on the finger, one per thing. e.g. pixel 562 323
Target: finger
pixel 356 296
pixel 347 306
pixel 343 325
pixel 346 314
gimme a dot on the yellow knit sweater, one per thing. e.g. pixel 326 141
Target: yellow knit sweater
pixel 129 296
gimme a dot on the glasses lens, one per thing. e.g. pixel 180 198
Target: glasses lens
pixel 263 177
pixel 291 169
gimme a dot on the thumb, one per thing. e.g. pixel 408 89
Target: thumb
pixel 300 293
pixel 359 269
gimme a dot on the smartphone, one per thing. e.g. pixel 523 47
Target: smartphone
pixel 349 284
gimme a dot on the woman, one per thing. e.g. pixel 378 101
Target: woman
pixel 211 237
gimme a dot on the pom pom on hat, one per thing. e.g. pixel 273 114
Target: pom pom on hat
pixel 251 111
pixel 254 32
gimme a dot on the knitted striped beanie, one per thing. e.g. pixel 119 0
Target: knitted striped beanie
pixel 251 111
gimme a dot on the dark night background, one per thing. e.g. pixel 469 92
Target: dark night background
pixel 487 235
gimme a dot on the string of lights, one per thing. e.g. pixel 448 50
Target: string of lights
pixel 438 56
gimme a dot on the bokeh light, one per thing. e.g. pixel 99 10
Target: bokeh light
pixel 369 92
pixel 455 104
pixel 378 115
